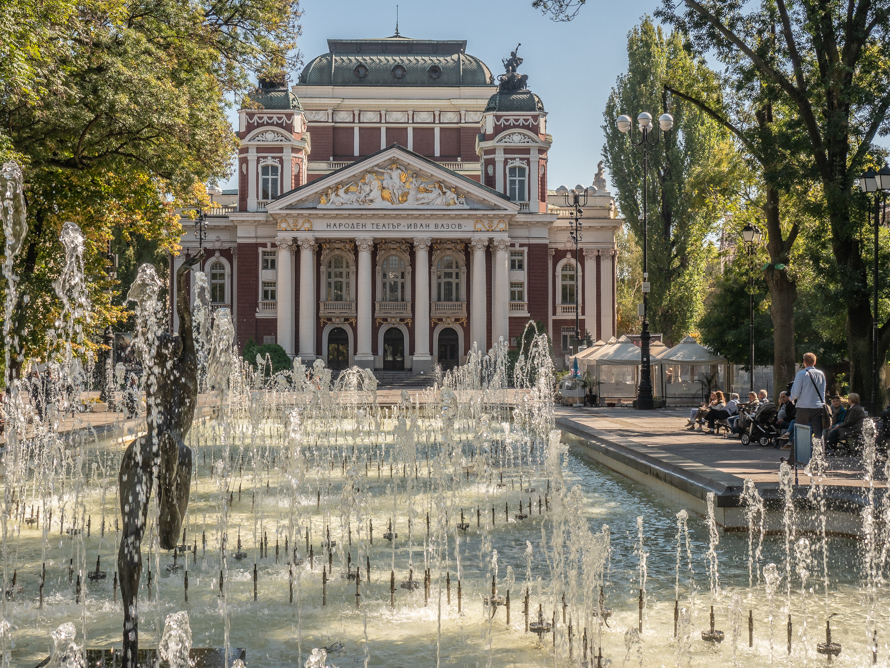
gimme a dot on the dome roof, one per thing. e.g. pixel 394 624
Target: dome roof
pixel 514 100
pixel 396 61
pixel 275 98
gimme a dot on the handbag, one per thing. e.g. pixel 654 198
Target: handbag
pixel 826 411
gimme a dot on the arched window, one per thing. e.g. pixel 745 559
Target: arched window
pixel 268 182
pixel 216 277
pixel 567 283
pixel 448 279
pixel 517 183
pixel 337 288
pixel 394 272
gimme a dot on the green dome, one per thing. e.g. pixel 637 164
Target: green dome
pixel 275 98
pixel 515 100
pixel 396 61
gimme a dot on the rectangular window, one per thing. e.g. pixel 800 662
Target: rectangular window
pixel 270 259
pixel 517 261
pixel 516 184
pixel 269 291
pixel 568 337
pixel 268 182
pixel 517 292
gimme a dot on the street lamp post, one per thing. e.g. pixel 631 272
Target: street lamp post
pixel 752 235
pixel 879 184
pixel 649 139
pixel 576 199
pixel 201 228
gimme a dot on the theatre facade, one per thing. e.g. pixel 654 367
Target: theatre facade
pixel 393 210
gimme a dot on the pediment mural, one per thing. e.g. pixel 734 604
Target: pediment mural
pixel 391 186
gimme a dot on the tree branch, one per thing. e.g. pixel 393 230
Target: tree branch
pixel 878 117
pixel 718 118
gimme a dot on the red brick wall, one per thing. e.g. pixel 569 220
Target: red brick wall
pixel 537 282
pixel 397 136
pixel 424 142
pixel 368 141
pixel 343 143
pixel 449 143
pixel 322 143
pixel 242 184
pixel 468 144
pixel 246 292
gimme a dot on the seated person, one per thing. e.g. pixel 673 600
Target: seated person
pixel 746 409
pixel 851 428
pixel 696 415
pixel 715 414
pixel 837 411
pixel 786 411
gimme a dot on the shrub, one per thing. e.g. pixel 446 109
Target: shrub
pixel 271 351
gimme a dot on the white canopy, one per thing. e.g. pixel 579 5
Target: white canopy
pixel 622 351
pixel 688 351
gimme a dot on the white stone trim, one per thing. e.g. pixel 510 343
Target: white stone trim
pixel 381 331
pixel 350 335
pixel 228 283
pixel 558 278
pixel 461 346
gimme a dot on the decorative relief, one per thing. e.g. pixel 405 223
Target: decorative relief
pixel 449 117
pixel 270 161
pixel 516 138
pixel 338 321
pixel 339 245
pixel 448 321
pixel 343 116
pixel 490 225
pixel 394 321
pixel 422 244
pixel 270 136
pixel 423 117
pixel 392 186
pixel 293 225
pixel 364 245
pixel 390 246
pixel 264 119
pixel 285 244
pixel 369 116
pixel 473 116
pixel 453 246
pixel 500 244
pixel 590 253
pixel 516 121
pixel 478 244
pixel 316 115
pixel 306 244
pixel 396 116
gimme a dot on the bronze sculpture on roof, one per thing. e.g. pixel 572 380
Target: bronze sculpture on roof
pixel 511 80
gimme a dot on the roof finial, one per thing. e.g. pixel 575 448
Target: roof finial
pixel 397 22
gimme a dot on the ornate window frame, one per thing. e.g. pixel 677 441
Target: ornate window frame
pixel 386 250
pixel 580 282
pixel 227 280
pixel 381 331
pixel 345 249
pixel 518 165
pixel 272 164
pixel 461 350
pixel 458 255
pixel 350 336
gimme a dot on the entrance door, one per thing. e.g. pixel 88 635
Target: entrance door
pixel 393 349
pixel 448 353
pixel 338 349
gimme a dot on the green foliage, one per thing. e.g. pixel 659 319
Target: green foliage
pixel 269 352
pixel 693 175
pixel 117 111
pixel 630 281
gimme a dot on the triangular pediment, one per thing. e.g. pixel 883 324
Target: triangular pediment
pixel 394 179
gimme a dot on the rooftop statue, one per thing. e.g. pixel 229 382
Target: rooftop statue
pixel 171 399
pixel 511 80
pixel 599 180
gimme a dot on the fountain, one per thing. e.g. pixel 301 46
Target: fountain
pixel 274 503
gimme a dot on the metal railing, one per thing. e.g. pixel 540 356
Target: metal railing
pixel 337 308
pixel 452 309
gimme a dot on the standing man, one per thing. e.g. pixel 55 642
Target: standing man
pixel 808 395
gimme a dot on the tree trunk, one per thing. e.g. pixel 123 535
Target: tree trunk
pixel 782 292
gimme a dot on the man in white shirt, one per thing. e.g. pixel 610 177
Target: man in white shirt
pixel 808 395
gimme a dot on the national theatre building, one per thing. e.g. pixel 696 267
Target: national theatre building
pixel 393 209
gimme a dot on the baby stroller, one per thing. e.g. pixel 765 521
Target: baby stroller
pixel 762 428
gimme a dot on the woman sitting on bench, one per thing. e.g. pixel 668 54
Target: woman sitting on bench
pixel 851 427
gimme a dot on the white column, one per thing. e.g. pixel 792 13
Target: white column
pixel 355 141
pixel 590 314
pixel 410 138
pixel 608 315
pixel 307 299
pixel 478 316
pixel 436 142
pixel 499 171
pixel 500 304
pixel 364 357
pixel 251 179
pixel 288 182
pixel 422 358
pixel 285 286
pixel 534 175
pixel 383 134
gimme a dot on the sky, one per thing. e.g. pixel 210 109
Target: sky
pixel 572 66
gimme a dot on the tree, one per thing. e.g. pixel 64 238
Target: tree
pixel 120 124
pixel 694 173
pixel 630 281
pixel 827 61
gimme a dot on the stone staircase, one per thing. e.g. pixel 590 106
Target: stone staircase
pixel 402 379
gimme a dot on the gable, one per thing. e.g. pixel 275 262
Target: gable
pixel 394 179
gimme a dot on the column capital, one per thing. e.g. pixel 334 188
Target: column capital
pixel 285 244
pixel 306 244
pixel 364 245
pixel 590 253
pixel 614 252
pixel 500 244
pixel 478 244
pixel 422 243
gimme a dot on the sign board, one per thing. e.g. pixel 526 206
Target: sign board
pixel 646 287
pixel 803 444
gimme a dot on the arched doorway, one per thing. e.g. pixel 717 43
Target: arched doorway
pixel 448 355
pixel 393 349
pixel 338 349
